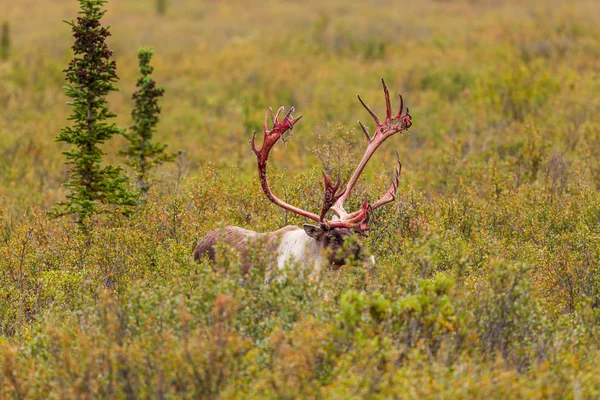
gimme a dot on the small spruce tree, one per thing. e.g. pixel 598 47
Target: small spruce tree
pixel 90 76
pixel 5 41
pixel 142 153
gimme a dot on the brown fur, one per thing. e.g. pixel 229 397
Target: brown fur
pixel 240 239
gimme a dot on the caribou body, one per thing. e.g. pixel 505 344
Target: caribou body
pixel 327 243
pixel 310 246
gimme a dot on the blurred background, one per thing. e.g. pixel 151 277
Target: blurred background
pixel 479 76
pixel 485 80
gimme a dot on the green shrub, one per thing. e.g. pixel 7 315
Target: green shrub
pixel 519 90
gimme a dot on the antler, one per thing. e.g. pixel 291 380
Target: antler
pixel 390 195
pixel 390 126
pixel 332 199
pixel 270 138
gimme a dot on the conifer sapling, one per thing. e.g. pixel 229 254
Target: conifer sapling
pixel 90 76
pixel 142 153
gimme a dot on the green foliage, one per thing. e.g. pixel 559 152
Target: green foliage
pixel 91 76
pixel 428 316
pixel 518 90
pixel 5 41
pixel 161 7
pixel 508 314
pixel 142 153
pixel 450 83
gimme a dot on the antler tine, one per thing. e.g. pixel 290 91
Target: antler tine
pixel 401 105
pixel 390 195
pixel 388 106
pixel 276 116
pixel 364 129
pixel 352 219
pixel 271 136
pixel 289 114
pixel 369 110
pixel 266 120
pixel 251 142
pixel 330 196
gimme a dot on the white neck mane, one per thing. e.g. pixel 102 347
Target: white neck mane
pixel 297 246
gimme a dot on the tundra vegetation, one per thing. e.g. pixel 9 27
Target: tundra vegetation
pixel 488 276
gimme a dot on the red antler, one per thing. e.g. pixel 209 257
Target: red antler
pixel 270 138
pixel 332 199
pixel 390 195
pixel 390 126
pixel 331 195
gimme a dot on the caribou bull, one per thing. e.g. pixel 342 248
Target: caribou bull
pixel 318 245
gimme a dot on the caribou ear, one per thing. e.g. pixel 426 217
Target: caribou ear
pixel 312 230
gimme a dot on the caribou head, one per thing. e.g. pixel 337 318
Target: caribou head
pixel 325 242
